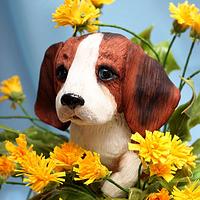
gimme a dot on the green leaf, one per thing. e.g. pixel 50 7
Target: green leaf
pixel 146 34
pixel 196 147
pixel 43 142
pixel 171 63
pixel 71 192
pixel 6 135
pixel 179 122
pixel 196 151
pixel 135 194
pixel 160 48
pixel 195 174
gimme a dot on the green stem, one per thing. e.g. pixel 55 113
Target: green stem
pixel 9 129
pixel 29 194
pixel 144 185
pixel 19 117
pixel 117 185
pixel 165 128
pixel 26 113
pixel 168 50
pixel 14 183
pixel 186 63
pixel 139 171
pixel 134 34
pixel 191 76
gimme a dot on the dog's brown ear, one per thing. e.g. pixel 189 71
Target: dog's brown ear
pixel 149 97
pixel 45 102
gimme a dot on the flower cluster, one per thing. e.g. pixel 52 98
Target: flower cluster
pixel 80 14
pixel 12 89
pixel 40 171
pixel 163 154
pixel 86 164
pixel 186 15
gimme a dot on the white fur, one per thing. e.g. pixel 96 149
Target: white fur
pixel 99 127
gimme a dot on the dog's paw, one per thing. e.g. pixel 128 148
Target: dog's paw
pixel 111 190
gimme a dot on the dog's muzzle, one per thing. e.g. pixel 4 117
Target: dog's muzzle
pixel 72 100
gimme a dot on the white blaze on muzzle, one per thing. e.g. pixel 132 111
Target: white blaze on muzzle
pixel 99 104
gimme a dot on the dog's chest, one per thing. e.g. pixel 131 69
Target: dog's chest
pixel 109 140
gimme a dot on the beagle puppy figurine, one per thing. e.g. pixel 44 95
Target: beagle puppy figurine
pixel 106 88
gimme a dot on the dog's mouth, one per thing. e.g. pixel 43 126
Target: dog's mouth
pixel 75 117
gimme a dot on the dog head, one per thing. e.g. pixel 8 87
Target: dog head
pixel 89 79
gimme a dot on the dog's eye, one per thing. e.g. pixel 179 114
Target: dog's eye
pixel 61 73
pixel 106 74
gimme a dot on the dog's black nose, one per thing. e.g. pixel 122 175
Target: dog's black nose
pixel 72 100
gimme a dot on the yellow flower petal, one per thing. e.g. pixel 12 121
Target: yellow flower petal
pixel 7 167
pixel 191 191
pixel 164 170
pixel 10 85
pixel 162 153
pixel 196 25
pixel 18 151
pixel 39 171
pixel 183 13
pixel 90 168
pixel 161 195
pixel 80 14
pixel 154 148
pixel 3 98
pixel 68 154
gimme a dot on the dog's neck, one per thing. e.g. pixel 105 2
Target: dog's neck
pixel 110 140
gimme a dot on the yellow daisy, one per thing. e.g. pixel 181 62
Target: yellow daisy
pixel 191 191
pixel 181 154
pixel 39 171
pixel 164 170
pixel 67 154
pixel 7 167
pixel 161 195
pixel 12 89
pixel 90 168
pixel 99 3
pixel 183 15
pixel 80 14
pixel 155 147
pixel 18 151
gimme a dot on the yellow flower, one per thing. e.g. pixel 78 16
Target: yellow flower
pixel 154 148
pixel 12 89
pixel 181 154
pixel 191 192
pixel 19 151
pixel 99 3
pixel 164 170
pixel 39 171
pixel 67 154
pixel 80 14
pixel 7 167
pixel 162 154
pixel 90 168
pixel 183 14
pixel 161 195
pixel 196 26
